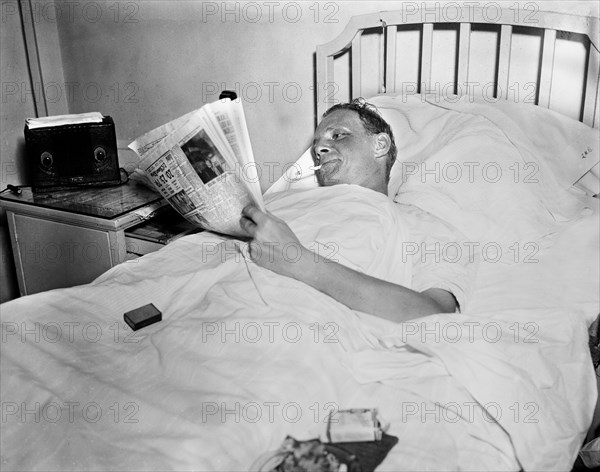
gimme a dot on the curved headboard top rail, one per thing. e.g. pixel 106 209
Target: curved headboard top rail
pixel 464 16
pixel 589 26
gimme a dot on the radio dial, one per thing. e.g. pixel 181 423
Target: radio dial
pixel 46 160
pixel 100 155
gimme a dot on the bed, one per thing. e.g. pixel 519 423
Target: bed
pixel 244 357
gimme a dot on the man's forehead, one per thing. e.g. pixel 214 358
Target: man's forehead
pixel 342 117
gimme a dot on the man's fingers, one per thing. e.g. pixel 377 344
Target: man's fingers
pixel 264 226
pixel 259 217
pixel 247 210
pixel 253 213
pixel 251 217
pixel 248 226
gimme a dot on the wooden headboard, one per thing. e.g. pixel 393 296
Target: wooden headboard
pixel 505 23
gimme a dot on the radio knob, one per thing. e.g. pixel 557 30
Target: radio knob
pixel 100 154
pixel 46 160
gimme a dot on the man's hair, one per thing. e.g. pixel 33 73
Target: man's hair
pixel 373 123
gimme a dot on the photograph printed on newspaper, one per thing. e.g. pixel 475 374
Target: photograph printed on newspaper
pixel 202 164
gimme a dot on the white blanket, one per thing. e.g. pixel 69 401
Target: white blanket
pixel 244 357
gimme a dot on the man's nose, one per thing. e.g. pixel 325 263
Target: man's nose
pixel 321 149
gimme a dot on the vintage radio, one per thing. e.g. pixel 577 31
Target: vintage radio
pixel 72 155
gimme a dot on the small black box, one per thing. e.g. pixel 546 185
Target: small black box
pixel 142 316
pixel 73 156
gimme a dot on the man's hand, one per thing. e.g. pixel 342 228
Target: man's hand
pixel 272 239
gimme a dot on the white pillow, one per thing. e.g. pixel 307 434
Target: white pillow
pixel 501 173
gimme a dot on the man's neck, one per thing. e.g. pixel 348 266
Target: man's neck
pixel 377 185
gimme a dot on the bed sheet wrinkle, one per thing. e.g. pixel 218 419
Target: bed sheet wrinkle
pixel 372 365
pixel 346 233
pixel 183 256
pixel 530 389
pixel 562 272
pixel 422 413
pixel 72 360
pixel 319 317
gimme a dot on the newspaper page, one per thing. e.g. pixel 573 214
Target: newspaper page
pixel 196 169
pixel 144 144
pixel 229 116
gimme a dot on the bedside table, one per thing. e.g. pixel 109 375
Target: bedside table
pixel 69 237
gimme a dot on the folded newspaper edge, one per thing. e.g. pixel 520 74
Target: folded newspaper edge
pixel 202 164
pixel 61 120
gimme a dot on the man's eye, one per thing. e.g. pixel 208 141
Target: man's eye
pixel 338 135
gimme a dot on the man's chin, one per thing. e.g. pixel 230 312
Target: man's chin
pixel 326 182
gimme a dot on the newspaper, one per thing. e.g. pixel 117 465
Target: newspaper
pixel 203 164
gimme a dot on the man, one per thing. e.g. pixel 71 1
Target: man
pixel 352 145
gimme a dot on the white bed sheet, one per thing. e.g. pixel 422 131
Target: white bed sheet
pixel 179 396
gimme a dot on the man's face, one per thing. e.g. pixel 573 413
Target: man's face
pixel 345 151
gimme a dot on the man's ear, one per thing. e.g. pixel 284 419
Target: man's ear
pixel 382 144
